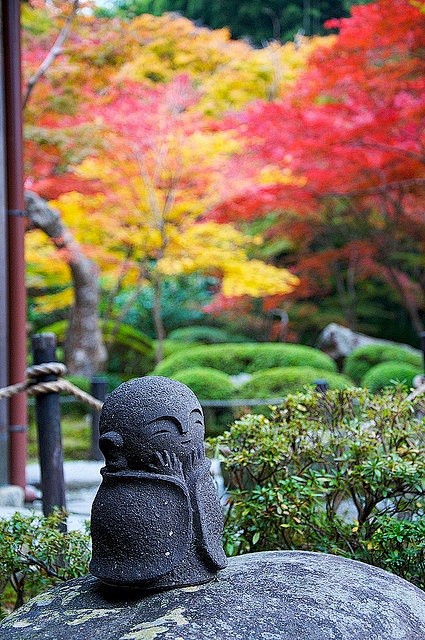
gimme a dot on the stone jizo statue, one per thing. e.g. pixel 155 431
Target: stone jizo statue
pixel 156 519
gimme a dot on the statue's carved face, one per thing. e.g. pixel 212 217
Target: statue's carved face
pixel 147 416
pixel 134 437
pixel 168 433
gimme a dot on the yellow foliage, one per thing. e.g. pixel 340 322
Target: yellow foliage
pixel 45 269
pixel 228 73
pixel 172 45
pixel 54 301
pixel 221 249
pixel 257 279
pixel 258 74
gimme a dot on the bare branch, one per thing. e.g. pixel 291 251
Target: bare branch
pixel 387 147
pixel 51 56
pixel 402 185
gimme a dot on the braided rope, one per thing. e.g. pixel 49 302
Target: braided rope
pixel 13 389
pixel 56 368
pixel 32 387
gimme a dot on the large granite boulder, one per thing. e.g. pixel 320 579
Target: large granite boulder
pixel 279 595
pixel 338 341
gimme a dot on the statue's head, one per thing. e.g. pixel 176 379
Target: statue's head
pixel 146 415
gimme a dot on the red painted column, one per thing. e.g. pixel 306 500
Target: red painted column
pixel 18 418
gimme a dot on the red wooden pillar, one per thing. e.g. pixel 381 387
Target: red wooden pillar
pixel 16 223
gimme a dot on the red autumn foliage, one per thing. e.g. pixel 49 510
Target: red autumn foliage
pixel 354 129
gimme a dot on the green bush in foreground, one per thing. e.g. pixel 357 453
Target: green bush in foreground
pixel 206 383
pixel 387 374
pixel 246 357
pixel 36 555
pixel 362 359
pixel 283 380
pixel 339 473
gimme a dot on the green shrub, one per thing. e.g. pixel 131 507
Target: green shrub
pixel 36 555
pixel 335 473
pixel 358 363
pixel 82 382
pixel 170 347
pixel 203 335
pixel 387 373
pixel 283 380
pixel 130 351
pixel 399 546
pixel 206 383
pixel 248 358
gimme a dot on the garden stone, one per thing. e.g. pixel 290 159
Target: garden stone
pixel 338 341
pixel 11 496
pixel 278 595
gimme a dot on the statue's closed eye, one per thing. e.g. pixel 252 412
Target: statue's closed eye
pixel 162 426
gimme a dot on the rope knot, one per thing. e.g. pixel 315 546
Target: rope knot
pixel 52 368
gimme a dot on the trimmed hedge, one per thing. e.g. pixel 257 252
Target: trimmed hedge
pixel 170 347
pixel 387 373
pixel 203 335
pixel 247 358
pixel 206 383
pixel 283 380
pixel 362 359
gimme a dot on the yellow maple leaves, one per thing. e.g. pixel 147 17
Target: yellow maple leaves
pixel 221 249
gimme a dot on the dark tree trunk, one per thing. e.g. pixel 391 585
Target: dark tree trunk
pixel 85 353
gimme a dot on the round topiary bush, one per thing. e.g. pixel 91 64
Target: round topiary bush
pixel 245 358
pixel 387 373
pixel 170 347
pixel 362 359
pixel 203 335
pixel 283 380
pixel 206 383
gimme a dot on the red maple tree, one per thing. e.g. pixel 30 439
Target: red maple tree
pixel 353 132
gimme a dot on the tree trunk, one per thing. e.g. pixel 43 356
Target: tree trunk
pixel 85 353
pixel 157 318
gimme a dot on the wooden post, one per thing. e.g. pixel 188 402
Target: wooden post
pixel 321 385
pixel 49 429
pixel 15 239
pixel 4 338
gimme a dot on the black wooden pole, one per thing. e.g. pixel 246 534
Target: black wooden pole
pixel 321 385
pixel 49 429
pixel 98 391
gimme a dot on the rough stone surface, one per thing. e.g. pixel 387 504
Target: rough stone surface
pixel 338 341
pixel 286 595
pixel 156 520
pixel 11 496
